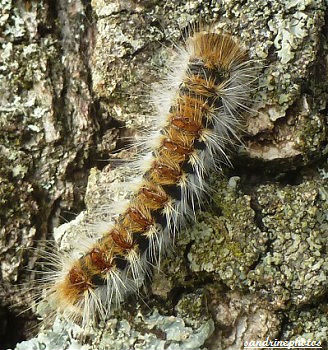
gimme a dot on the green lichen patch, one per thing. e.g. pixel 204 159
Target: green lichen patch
pixel 295 267
pixel 311 325
pixel 192 307
pixel 227 245
pixel 223 245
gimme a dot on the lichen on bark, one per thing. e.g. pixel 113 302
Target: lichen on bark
pixel 254 264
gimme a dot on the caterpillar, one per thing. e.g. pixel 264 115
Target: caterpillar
pixel 200 111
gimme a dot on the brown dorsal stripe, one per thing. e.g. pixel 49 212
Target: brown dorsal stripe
pixel 166 172
pixel 153 195
pixel 78 279
pixel 100 260
pixel 176 147
pixel 138 217
pixel 186 124
pixel 120 241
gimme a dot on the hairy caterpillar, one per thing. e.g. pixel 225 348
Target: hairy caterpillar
pixel 200 108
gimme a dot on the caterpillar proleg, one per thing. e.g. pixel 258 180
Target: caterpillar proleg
pixel 200 108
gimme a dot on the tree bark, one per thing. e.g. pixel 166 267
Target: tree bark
pixel 73 81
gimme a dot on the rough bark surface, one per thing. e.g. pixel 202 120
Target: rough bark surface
pixel 74 76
